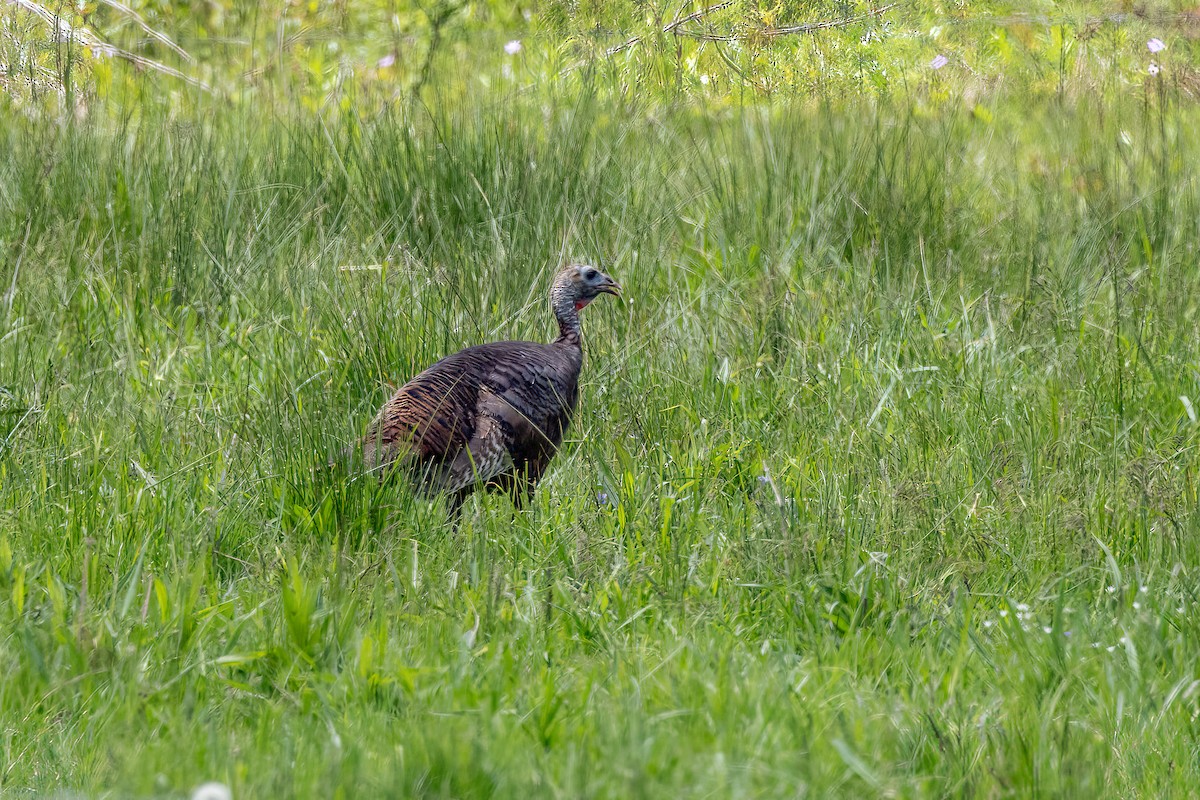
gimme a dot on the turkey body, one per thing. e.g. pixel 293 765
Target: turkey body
pixel 494 414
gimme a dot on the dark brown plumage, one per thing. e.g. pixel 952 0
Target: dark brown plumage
pixel 494 414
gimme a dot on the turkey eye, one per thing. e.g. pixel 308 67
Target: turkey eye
pixel 590 275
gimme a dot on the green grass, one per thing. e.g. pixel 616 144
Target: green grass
pixel 903 487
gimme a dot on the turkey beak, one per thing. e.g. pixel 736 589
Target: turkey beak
pixel 610 287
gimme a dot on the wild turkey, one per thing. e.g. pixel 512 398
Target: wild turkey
pixel 492 415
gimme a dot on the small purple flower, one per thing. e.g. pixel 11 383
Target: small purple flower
pixel 1156 45
pixel 602 500
pixel 513 47
pixel 939 62
pixel 386 61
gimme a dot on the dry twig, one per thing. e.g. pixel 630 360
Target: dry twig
pixel 786 30
pixel 671 27
pixel 153 34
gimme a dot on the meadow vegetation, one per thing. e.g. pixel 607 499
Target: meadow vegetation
pixel 883 481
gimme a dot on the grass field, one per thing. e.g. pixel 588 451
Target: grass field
pixel 883 481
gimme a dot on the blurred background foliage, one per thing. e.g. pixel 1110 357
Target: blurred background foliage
pixel 58 56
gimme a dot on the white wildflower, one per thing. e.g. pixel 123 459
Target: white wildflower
pixel 213 790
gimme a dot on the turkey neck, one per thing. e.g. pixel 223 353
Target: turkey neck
pixel 569 332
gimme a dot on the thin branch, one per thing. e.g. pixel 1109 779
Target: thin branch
pixel 63 31
pixel 671 27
